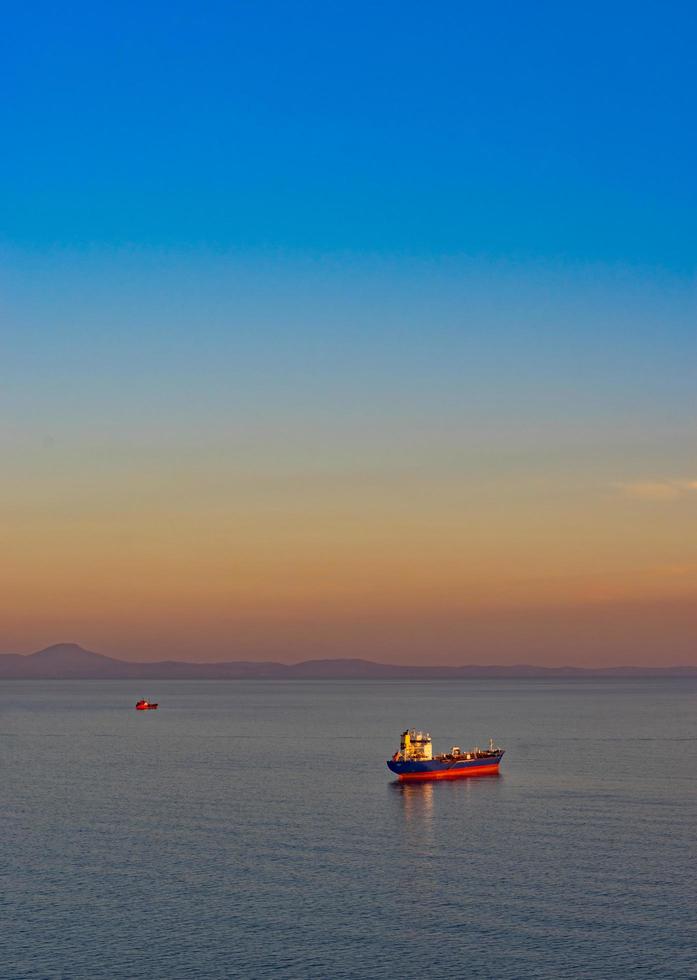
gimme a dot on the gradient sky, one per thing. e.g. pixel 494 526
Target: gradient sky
pixel 350 330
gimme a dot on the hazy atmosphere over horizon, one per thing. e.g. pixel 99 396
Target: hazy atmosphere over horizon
pixel 338 330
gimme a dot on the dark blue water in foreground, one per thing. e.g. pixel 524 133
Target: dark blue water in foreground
pixel 251 829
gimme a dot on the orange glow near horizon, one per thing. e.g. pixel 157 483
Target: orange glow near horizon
pixel 435 568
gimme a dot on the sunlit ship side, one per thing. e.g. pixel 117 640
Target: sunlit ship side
pixel 415 759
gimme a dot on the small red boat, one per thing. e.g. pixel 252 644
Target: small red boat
pixel 146 705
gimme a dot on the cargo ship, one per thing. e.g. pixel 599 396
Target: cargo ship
pixel 415 759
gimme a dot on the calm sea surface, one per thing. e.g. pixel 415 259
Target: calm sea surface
pixel 252 829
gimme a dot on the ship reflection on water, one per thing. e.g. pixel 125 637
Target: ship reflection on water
pixel 416 800
pixel 419 799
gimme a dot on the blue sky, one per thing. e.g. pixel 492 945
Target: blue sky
pixel 551 131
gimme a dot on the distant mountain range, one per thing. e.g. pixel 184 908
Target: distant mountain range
pixel 68 661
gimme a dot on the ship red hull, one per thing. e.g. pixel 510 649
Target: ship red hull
pixel 484 763
pixel 411 777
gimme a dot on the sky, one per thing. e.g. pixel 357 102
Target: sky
pixel 349 330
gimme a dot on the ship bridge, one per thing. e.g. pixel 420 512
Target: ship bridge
pixel 415 746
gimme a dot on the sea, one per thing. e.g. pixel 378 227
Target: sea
pixel 252 829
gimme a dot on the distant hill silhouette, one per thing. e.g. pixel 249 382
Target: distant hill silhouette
pixel 69 661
